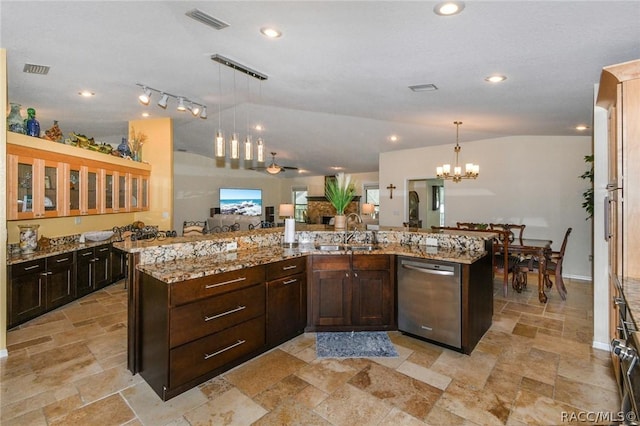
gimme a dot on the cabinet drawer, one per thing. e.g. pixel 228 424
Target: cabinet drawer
pixel 192 321
pixel 286 267
pixel 31 267
pixel 331 263
pixel 199 357
pixel 85 254
pixel 60 260
pixel 200 288
pixel 371 262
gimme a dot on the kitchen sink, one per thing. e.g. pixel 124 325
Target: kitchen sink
pixel 363 247
pixel 331 247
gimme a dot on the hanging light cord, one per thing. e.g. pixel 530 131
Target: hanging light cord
pixel 219 94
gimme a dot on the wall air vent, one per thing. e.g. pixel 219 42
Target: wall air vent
pixel 206 19
pixel 423 87
pixel 36 69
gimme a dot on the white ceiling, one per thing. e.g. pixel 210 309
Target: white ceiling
pixel 338 78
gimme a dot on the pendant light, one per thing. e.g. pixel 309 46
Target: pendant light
pixel 234 144
pixel 471 170
pixel 219 147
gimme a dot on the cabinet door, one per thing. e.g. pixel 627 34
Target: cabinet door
pixel 285 308
pixel 144 193
pixel 27 291
pixel 331 298
pixel 123 191
pixel 91 191
pixel 107 195
pixel 372 298
pixel 118 264
pixel 74 178
pixel 134 200
pixel 85 281
pixel 20 187
pixel 61 280
pixel 102 266
pixel 52 190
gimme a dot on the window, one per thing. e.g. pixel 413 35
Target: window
pixel 372 196
pixel 299 195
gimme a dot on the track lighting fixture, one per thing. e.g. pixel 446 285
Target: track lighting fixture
pixel 196 108
pixel 162 103
pixel 145 97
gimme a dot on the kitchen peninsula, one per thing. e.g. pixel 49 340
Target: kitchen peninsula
pixel 199 306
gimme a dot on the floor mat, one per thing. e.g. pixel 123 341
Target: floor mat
pixel 354 345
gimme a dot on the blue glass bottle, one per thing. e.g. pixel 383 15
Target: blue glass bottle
pixel 123 148
pixel 32 126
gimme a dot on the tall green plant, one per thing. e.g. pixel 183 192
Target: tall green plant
pixel 587 195
pixel 340 192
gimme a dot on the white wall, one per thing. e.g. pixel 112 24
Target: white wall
pixel 523 179
pixel 197 181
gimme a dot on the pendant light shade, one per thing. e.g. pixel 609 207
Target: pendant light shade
pixel 234 147
pixel 248 148
pixel 219 146
pixel 260 151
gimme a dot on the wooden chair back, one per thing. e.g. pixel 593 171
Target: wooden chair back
pixel 511 229
pixel 194 227
pixel 472 225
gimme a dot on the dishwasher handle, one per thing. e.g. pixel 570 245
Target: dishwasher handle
pixel 427 270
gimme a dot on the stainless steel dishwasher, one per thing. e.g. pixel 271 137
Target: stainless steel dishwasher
pixel 429 300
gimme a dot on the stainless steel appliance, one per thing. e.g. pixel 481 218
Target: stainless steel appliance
pixel 429 300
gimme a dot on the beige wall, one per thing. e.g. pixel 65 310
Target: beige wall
pixel 3 204
pixel 523 179
pixel 158 151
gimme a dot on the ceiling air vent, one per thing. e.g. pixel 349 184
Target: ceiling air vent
pixel 206 19
pixel 423 87
pixel 36 69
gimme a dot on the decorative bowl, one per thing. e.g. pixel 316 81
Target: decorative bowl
pixel 98 235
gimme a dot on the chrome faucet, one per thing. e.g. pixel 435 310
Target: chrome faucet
pixel 348 235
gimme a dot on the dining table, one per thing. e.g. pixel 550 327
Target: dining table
pixel 540 249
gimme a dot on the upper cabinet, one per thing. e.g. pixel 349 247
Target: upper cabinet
pixel 47 179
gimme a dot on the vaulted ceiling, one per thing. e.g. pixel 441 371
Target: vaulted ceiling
pixel 338 77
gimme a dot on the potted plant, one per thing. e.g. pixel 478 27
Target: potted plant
pixel 587 195
pixel 340 192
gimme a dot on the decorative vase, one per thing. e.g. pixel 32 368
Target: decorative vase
pixel 28 238
pixel 123 148
pixel 32 126
pixel 15 122
pixel 340 222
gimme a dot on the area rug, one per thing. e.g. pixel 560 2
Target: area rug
pixel 354 345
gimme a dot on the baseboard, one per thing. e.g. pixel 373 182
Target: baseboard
pixel 601 345
pixel 3 353
pixel 578 277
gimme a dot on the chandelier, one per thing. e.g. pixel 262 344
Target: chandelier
pixel 234 143
pixel 471 171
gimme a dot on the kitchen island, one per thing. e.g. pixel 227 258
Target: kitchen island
pixel 197 309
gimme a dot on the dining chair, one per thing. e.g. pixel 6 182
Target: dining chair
pixel 194 227
pixel 512 229
pixel 471 225
pixel 553 267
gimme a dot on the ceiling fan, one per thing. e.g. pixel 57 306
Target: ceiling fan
pixel 274 168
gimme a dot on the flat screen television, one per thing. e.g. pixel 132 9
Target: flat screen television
pixel 243 201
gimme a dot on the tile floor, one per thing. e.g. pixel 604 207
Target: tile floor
pixel 536 362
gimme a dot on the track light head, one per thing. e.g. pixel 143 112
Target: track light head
pixel 181 106
pixel 145 97
pixel 195 109
pixel 162 103
pixel 203 113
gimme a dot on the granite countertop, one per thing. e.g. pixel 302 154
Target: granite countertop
pixel 184 269
pixel 52 250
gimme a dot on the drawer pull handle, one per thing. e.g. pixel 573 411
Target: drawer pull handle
pixel 62 260
pixel 89 253
pixel 28 268
pixel 239 308
pixel 237 280
pixel 286 268
pixel 238 343
pixel 104 249
pixel 289 281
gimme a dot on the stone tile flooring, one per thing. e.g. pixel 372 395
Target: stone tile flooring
pixel 536 362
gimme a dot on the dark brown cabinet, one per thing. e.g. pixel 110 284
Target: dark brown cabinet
pixel 26 294
pixel 61 280
pixel 94 269
pixel 193 330
pixel 118 264
pixel 352 292
pixel 286 300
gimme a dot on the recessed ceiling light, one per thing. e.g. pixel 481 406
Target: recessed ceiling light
pixel 495 78
pixel 393 138
pixel 145 114
pixel 448 8
pixel 270 32
pixel 582 127
pixel 259 127
pixel 337 167
pixel 86 93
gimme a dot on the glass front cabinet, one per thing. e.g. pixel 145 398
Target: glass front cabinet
pixel 43 184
